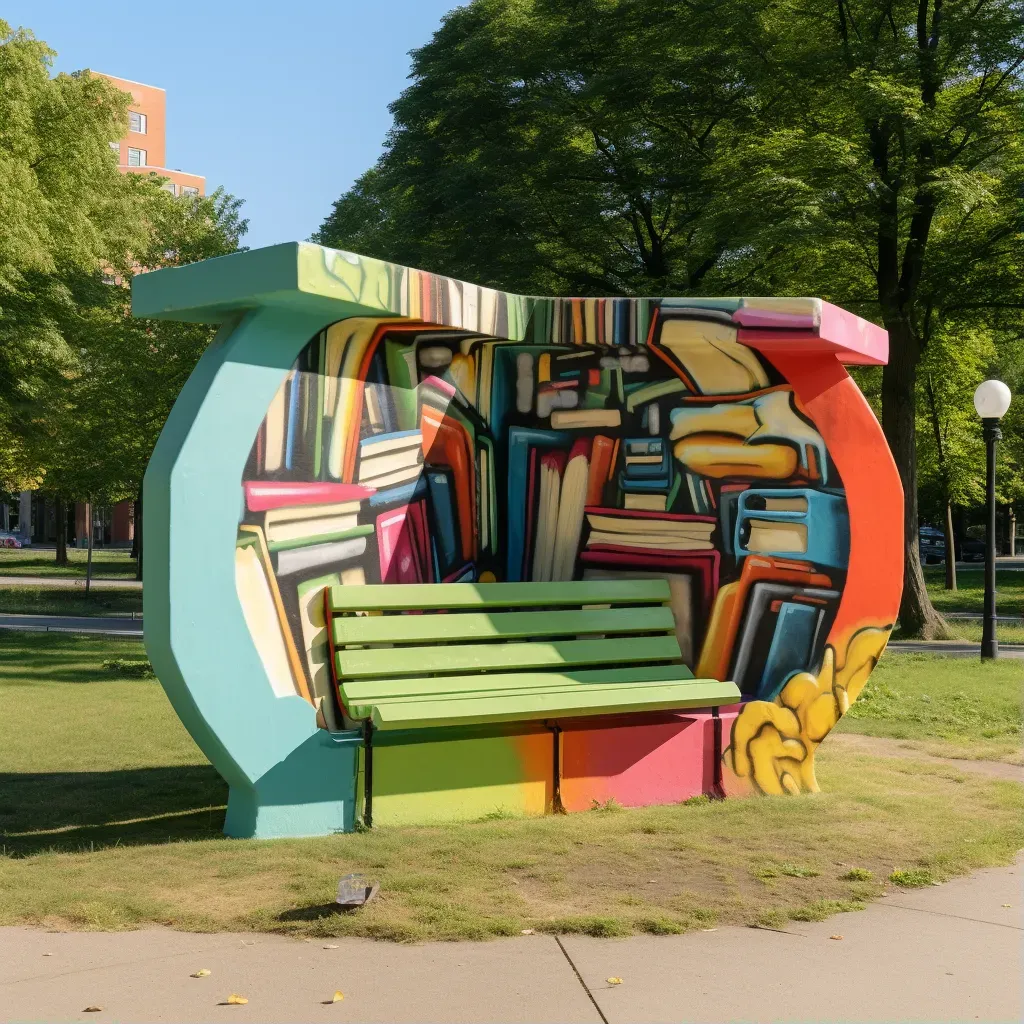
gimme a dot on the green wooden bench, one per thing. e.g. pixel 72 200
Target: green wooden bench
pixel 477 654
pixel 422 657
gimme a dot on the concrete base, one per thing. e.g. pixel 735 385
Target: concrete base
pixel 324 770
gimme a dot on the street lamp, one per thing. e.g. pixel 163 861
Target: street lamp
pixel 991 400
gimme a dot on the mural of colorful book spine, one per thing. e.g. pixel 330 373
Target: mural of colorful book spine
pixel 465 435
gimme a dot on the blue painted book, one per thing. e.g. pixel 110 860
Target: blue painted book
pixel 403 494
pixel 793 523
pixel 445 526
pixel 646 458
pixel 792 647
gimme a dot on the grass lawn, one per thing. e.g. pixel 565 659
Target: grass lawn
pixel 111 819
pixel 1006 632
pixel 108 563
pixel 956 707
pixel 69 601
pixel 970 593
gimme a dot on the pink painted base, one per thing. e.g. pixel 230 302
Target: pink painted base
pixel 662 759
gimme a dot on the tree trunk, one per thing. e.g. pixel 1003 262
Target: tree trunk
pixel 62 530
pixel 899 380
pixel 88 558
pixel 137 544
pixel 933 415
pixel 135 528
pixel 950 550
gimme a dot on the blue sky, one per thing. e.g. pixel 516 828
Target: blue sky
pixel 282 104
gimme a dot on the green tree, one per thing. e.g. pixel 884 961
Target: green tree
pixel 99 421
pixel 867 151
pixel 62 202
pixel 84 388
pixel 565 147
pixel 895 152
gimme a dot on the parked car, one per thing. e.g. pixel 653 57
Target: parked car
pixel 932 545
pixel 9 540
pixel 972 550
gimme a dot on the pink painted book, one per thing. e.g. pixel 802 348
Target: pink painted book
pixel 397 545
pixel 262 495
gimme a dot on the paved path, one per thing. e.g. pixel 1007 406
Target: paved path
pixel 882 746
pixel 946 953
pixel 952 648
pixel 78 582
pixel 129 626
pixel 109 625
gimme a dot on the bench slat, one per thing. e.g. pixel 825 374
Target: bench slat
pixel 367 691
pixel 549 704
pixel 386 663
pixel 436 596
pixel 498 625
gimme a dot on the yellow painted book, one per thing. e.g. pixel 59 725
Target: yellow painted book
pixel 265 616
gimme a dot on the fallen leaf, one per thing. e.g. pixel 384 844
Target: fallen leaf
pixel 47 954
pixel 837 937
pixel 526 931
pixel 203 972
pixel 234 1000
pixel 614 981
pixel 338 996
pixel 1007 905
pixel 331 946
pixel 92 1009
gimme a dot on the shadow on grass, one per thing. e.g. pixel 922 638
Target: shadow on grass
pixel 29 659
pixel 314 913
pixel 18 564
pixel 81 811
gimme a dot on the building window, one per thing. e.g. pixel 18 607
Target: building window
pixel 136 157
pixel 189 190
pixel 169 186
pixel 137 122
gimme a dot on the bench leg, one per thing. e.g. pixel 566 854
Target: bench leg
pixel 368 774
pixel 556 775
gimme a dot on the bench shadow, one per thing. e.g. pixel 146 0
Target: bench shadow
pixel 313 913
pixel 78 812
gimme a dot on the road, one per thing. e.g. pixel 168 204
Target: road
pixel 108 625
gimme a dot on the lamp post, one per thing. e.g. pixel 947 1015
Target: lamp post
pixel 991 400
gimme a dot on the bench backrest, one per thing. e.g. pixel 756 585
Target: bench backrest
pixel 464 628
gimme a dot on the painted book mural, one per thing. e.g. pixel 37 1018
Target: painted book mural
pixel 622 549
pixel 617 439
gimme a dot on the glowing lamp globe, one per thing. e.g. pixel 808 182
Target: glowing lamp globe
pixel 992 399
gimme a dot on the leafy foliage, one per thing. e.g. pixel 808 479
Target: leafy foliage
pixel 85 388
pixel 865 151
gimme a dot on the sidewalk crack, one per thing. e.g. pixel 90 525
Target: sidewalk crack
pixel 958 917
pixel 579 977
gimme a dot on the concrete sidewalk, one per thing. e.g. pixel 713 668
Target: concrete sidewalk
pixel 946 953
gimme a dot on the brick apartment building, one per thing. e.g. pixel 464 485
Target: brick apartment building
pixel 141 150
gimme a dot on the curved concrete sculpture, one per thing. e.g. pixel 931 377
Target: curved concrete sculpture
pixel 359 422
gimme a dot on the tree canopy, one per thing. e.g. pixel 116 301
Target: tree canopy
pixel 870 152
pixel 85 388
